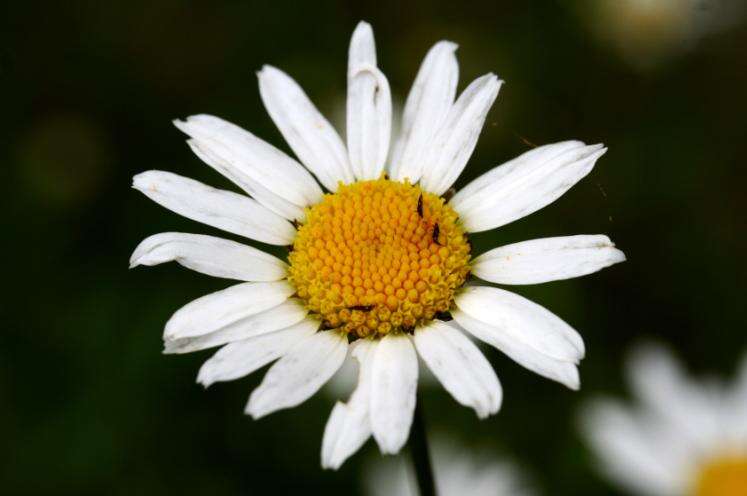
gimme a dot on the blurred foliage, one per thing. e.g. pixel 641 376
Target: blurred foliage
pixel 89 404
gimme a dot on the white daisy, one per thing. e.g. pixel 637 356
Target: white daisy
pixel 457 470
pixel 649 32
pixel 686 437
pixel 380 260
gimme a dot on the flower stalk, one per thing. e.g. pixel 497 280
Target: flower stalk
pixel 420 455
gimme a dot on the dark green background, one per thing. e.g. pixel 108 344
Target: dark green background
pixel 88 405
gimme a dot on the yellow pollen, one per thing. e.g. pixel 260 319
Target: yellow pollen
pixel 726 476
pixel 379 256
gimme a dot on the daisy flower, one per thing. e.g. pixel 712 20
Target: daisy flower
pixel 684 437
pixel 458 470
pixel 647 33
pixel 377 265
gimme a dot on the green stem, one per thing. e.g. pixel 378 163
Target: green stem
pixel 421 459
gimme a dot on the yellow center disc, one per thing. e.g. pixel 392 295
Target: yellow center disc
pixel 725 476
pixel 379 256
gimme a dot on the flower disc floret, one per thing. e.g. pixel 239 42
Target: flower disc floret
pixel 725 476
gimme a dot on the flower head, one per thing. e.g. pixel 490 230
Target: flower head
pixel 378 265
pixel 683 438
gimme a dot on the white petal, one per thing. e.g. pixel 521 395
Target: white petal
pixel 225 210
pixel 298 374
pixel 458 467
pixel 547 259
pixel 362 48
pixel 288 313
pixel 637 452
pixel 309 134
pixel 349 425
pixel 224 307
pixel 393 389
pixel 467 196
pixel 526 356
pixel 427 106
pixel 659 381
pixel 523 320
pixel 241 358
pixel 460 366
pixel 261 169
pixel 454 143
pixel 253 158
pixel 738 422
pixel 369 107
pixel 524 185
pixel 207 150
pixel 209 255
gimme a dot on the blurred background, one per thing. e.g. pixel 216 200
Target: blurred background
pixel 88 405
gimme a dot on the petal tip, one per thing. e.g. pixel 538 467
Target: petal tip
pixel 139 181
pixel 597 149
pixel 263 71
pixel 330 463
pixel 253 409
pixel 268 70
pixel 180 124
pixel 203 378
pixel 363 27
pixel 169 334
pixel 618 256
pixel 574 383
pixel 447 45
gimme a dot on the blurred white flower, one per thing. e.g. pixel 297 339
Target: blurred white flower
pixel 684 437
pixel 646 32
pixel 458 471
